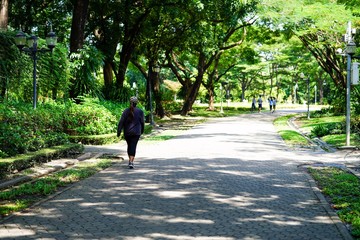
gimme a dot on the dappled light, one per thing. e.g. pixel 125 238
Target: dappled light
pixel 224 181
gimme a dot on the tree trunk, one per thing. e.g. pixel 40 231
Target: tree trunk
pixel 108 78
pixel 79 19
pixel 211 98
pixel 243 89
pixel 191 96
pixel 77 34
pixel 125 56
pixel 4 17
pixel 159 109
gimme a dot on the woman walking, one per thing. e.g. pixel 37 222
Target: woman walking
pixel 132 121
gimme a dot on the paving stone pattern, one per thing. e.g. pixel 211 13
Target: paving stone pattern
pixel 230 178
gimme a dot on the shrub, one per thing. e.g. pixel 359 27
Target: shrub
pixel 90 118
pixel 25 129
pixel 327 129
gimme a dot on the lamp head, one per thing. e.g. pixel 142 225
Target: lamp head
pixel 51 40
pixel 20 39
pixel 351 48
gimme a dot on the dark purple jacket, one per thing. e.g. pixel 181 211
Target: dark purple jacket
pixel 131 126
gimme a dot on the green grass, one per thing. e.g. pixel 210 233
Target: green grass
pixel 339 140
pixel 228 111
pixel 290 136
pixel 24 195
pixel 159 138
pixel 343 190
pixel 308 124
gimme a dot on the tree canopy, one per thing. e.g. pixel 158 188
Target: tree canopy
pixel 254 46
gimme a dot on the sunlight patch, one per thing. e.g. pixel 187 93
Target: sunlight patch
pixel 173 194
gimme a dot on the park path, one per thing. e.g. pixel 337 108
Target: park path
pixel 230 178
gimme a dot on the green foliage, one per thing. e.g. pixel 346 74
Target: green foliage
pixel 327 129
pixel 343 189
pixel 83 67
pixel 25 129
pixel 11 65
pixel 324 112
pixel 54 73
pixel 88 118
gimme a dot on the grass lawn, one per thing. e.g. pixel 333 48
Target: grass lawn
pixel 339 140
pixel 307 124
pixel 290 136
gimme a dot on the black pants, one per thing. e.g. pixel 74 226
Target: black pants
pixel 131 144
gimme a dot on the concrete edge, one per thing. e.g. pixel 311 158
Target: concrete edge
pixel 317 142
pixel 344 231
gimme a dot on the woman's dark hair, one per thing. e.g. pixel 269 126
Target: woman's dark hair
pixel 132 107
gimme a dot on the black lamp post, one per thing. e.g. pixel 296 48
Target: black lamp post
pixel 21 41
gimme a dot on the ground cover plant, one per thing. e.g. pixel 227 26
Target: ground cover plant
pixel 24 195
pixel 342 190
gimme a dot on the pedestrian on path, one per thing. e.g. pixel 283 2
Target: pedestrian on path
pixel 270 100
pixel 274 104
pixel 132 121
pixel 253 104
pixel 260 103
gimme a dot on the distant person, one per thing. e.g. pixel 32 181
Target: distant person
pixel 132 121
pixel 253 104
pixel 270 103
pixel 260 103
pixel 274 104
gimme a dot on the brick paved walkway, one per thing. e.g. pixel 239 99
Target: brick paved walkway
pixel 231 178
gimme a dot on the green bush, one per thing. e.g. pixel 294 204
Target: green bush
pixel 24 129
pixel 327 129
pixel 91 118
pixel 324 112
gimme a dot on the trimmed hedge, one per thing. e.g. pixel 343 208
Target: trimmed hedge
pixel 24 161
pixel 95 139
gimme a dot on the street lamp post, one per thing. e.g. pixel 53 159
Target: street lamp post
pixel 308 93
pixel 21 40
pixel 350 51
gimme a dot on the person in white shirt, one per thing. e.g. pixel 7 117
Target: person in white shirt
pixel 260 103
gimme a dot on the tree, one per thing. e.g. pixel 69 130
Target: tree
pixel 77 37
pixel 215 32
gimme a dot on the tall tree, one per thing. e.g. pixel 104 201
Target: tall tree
pixel 77 36
pixel 79 18
pixel 218 31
